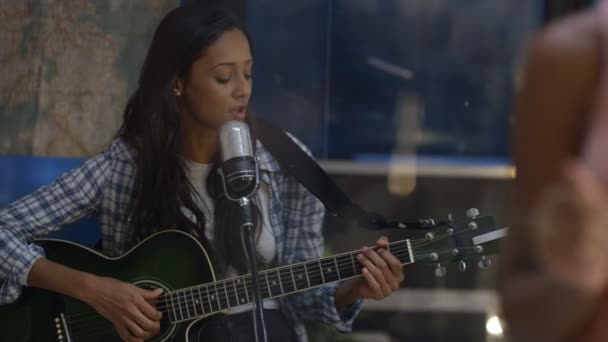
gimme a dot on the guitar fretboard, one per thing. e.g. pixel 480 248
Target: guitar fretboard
pixel 188 303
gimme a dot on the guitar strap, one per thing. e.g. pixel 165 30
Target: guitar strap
pixel 294 161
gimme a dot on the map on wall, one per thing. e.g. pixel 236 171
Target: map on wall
pixel 67 69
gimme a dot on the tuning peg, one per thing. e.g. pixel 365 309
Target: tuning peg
pixel 484 263
pixel 462 266
pixel 472 226
pixel 427 223
pixel 472 213
pixel 440 271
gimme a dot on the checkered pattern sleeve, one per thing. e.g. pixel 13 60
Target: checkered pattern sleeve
pixel 317 304
pixel 74 195
pixel 306 214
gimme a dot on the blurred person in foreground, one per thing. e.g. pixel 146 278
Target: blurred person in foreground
pixel 554 275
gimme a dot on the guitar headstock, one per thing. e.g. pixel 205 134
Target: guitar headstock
pixel 471 239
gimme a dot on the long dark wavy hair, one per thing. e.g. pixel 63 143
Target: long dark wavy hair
pixel 163 197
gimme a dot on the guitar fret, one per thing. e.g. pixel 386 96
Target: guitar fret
pixel 293 279
pixel 268 285
pixel 306 272
pixel 329 271
pixel 337 268
pixel 194 302
pixel 286 280
pixel 273 284
pixel 227 297
pixel 352 259
pixel 170 299
pixel 179 305
pixel 217 297
pixel 344 269
pixel 186 304
pixel 201 299
pixel 321 271
pixel 301 279
pixel 236 292
pixel 209 299
pixel 246 290
pixel 280 282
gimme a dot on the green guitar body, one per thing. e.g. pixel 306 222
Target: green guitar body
pixel 171 260
pixel 174 261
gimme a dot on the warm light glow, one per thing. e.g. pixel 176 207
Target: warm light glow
pixel 493 326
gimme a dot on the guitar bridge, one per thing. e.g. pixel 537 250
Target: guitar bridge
pixel 61 325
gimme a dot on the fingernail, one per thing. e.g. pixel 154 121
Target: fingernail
pixel 360 256
pixel 365 249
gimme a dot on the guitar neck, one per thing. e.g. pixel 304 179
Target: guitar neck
pixel 192 302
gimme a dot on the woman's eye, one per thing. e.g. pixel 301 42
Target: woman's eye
pixel 247 76
pixel 222 80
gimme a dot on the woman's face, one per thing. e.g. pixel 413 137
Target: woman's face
pixel 218 85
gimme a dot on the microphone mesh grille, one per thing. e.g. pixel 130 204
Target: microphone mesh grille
pixel 235 140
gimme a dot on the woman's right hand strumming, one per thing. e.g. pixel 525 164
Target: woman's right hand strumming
pixel 130 308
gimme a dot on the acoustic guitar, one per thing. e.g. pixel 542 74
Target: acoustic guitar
pixel 178 263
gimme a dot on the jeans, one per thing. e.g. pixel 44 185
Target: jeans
pixel 239 328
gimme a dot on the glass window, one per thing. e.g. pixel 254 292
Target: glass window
pixel 407 103
pixel 367 78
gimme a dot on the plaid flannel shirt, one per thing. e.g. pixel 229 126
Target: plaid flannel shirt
pixel 103 186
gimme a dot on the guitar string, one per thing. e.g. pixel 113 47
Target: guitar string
pixel 92 327
pixel 184 301
pixel 313 272
pixel 227 301
pixel 229 284
pixel 235 294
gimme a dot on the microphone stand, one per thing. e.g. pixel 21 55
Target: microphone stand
pixel 238 164
pixel 259 325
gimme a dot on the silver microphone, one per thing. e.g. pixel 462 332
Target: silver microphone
pixel 238 168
